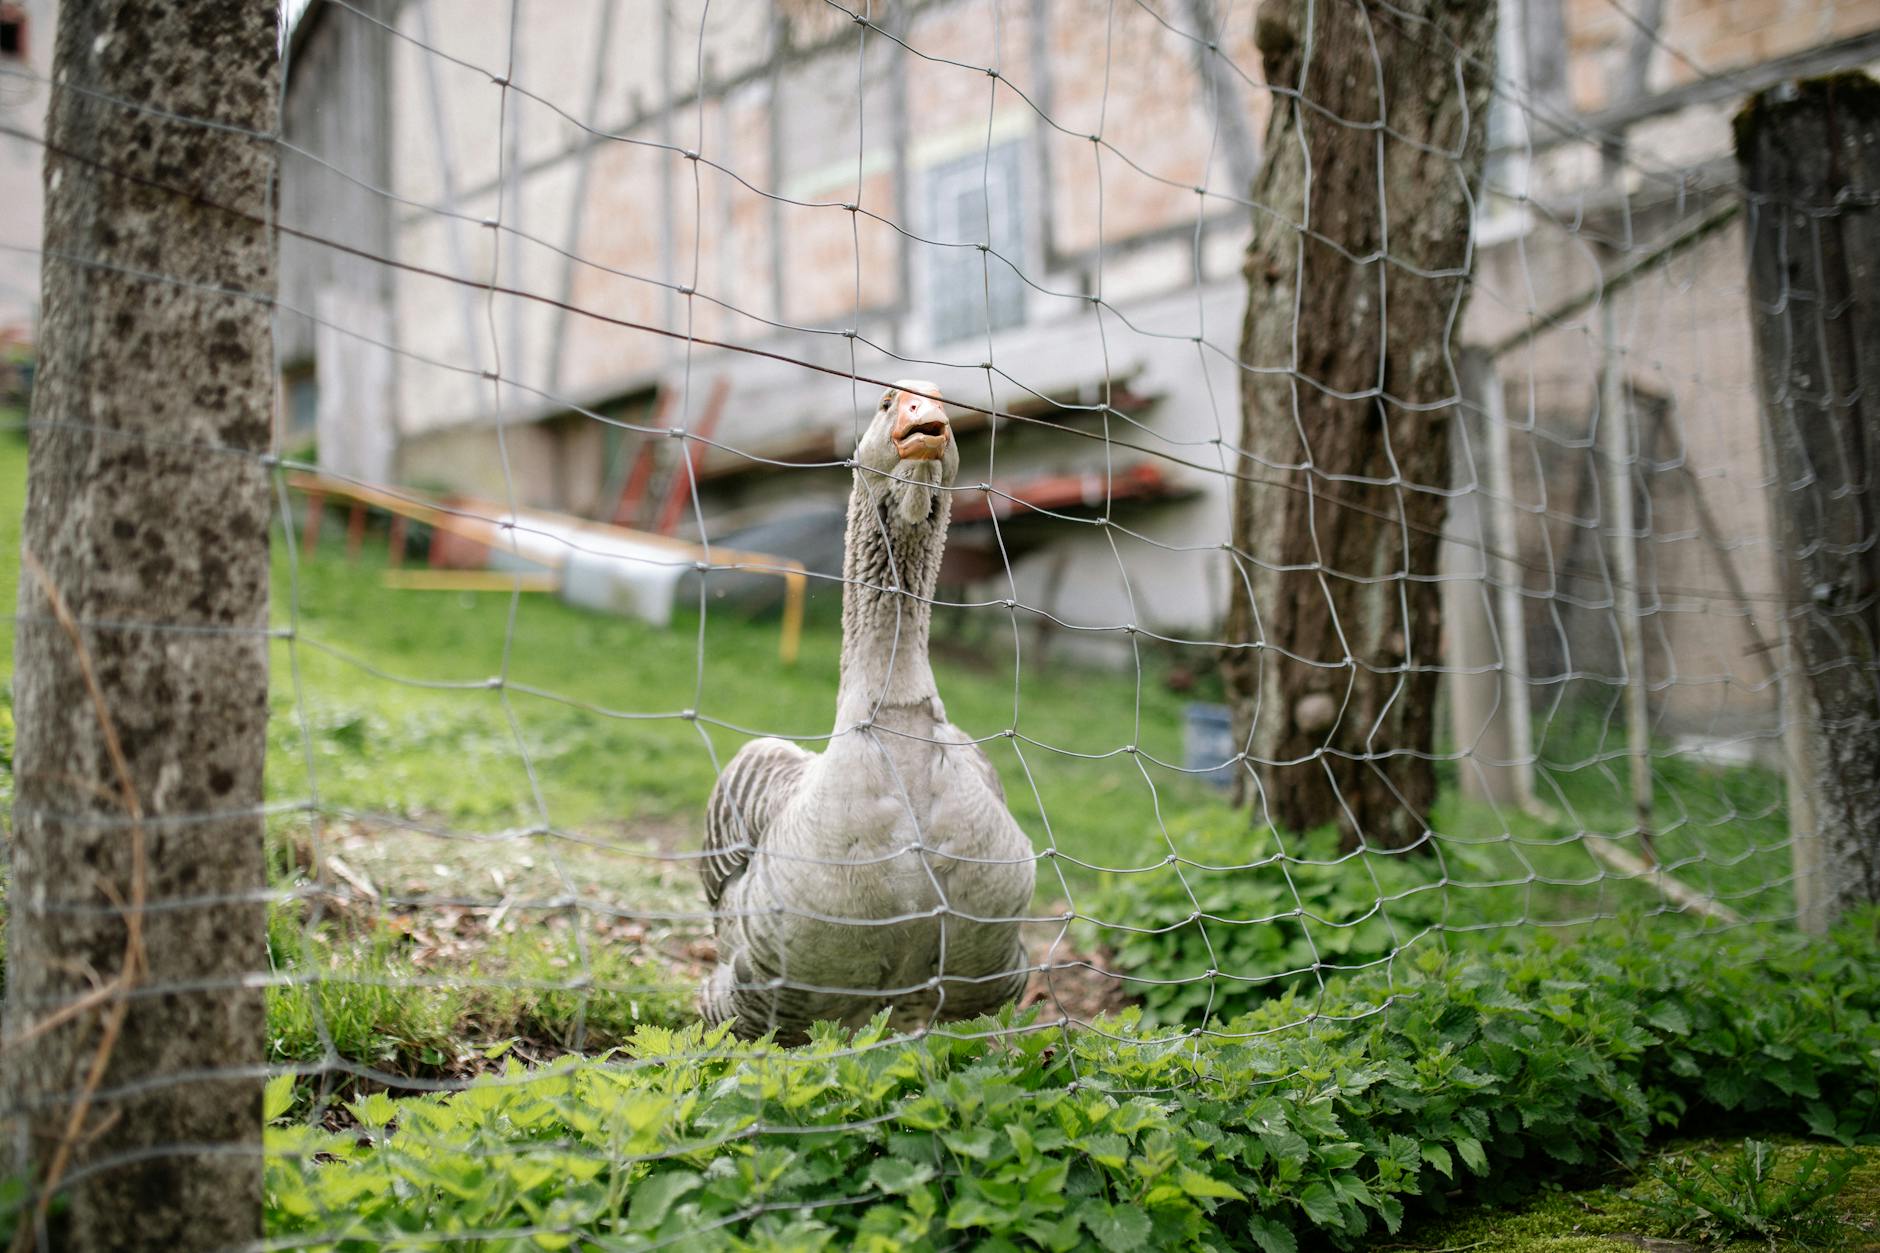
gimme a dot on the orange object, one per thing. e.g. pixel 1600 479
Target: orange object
pixel 680 489
pixel 627 512
pixel 310 530
pixel 1086 490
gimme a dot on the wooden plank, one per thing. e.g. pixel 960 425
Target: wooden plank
pixel 1693 232
pixel 1631 866
pixel 470 581
pixel 1617 446
pixel 627 511
pixel 577 203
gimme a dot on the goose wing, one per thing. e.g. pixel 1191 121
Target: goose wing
pixel 753 788
pixel 973 754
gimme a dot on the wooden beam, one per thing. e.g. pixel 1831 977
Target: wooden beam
pixel 451 224
pixel 1726 86
pixel 1631 866
pixel 1618 446
pixel 470 581
pixel 1694 232
pixel 1810 154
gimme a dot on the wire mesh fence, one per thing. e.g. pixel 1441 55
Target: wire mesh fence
pixel 1115 508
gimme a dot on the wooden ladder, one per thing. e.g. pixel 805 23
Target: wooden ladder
pixel 660 483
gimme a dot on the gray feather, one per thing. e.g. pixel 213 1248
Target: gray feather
pixel 758 781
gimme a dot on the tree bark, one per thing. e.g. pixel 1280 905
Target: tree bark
pixel 141 659
pixel 1333 624
pixel 1810 156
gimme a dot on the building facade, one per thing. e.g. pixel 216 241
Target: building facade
pixel 565 224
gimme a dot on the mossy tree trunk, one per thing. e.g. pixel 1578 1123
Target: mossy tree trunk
pixel 1810 155
pixel 132 1074
pixel 1356 279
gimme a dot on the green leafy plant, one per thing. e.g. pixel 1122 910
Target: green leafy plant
pixel 377 1006
pixel 1264 922
pixel 1309 1121
pixel 1749 1196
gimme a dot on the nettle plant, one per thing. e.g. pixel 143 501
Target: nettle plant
pixel 1265 924
pixel 1451 1076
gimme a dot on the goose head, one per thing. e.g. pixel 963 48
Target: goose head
pixel 909 451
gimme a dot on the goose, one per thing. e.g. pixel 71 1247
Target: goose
pixel 886 870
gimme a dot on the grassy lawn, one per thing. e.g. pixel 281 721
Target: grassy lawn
pixel 403 719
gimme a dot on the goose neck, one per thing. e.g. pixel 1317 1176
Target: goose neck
pixel 890 569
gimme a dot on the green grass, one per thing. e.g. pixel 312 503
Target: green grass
pixel 381 744
pixel 381 1001
pixel 1630 1207
pixel 610 745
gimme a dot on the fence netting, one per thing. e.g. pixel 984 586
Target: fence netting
pixel 575 352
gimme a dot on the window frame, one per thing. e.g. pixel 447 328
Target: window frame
pixel 998 173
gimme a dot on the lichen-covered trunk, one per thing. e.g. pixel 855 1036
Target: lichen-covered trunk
pixel 142 708
pixel 1810 154
pixel 1356 278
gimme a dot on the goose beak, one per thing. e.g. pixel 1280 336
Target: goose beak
pixel 921 431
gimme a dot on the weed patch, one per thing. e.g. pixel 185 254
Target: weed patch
pixel 1747 1195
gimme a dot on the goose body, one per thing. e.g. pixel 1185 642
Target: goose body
pixel 886 870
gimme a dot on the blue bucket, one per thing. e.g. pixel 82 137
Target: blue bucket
pixel 1207 741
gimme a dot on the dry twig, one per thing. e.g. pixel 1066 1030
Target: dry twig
pixel 116 991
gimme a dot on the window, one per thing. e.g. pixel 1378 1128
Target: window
pixel 12 32
pixel 970 293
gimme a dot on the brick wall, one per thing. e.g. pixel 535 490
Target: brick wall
pixel 1716 35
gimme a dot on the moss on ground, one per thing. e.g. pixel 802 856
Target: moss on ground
pixel 1618 1213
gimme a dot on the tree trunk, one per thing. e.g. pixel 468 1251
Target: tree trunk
pixel 1810 155
pixel 141 663
pixel 1333 625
